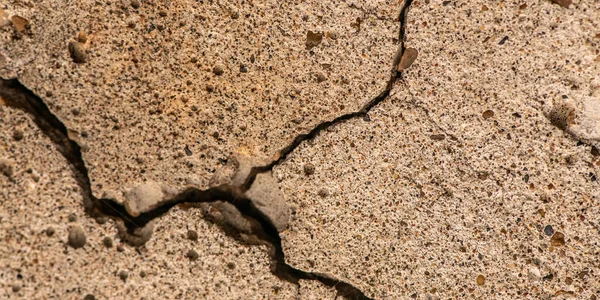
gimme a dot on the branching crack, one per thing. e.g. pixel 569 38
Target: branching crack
pixel 16 95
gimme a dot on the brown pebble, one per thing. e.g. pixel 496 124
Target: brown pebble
pixel 235 15
pixel 107 242
pixel 72 218
pixel 487 114
pixel 143 273
pixel 123 275
pixel 20 24
pixel 162 13
pixel 50 231
pixel 323 193
pixel 231 265
pixel 7 168
pixel 557 239
pixel 563 3
pixel 82 37
pixel 102 220
pixel 408 57
pixel 437 137
pixel 77 52
pixel 210 88
pixel 18 135
pixel 309 169
pixel 192 235
pixel 192 254
pixel 218 70
pixel 135 4
pixel 480 280
pixel 313 39
pixel 16 288
pixel 89 297
pixel 321 77
pixel 77 237
pixel 120 248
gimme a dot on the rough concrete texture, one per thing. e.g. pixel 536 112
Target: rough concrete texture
pixel 460 186
pixel 37 262
pixel 475 177
pixel 168 89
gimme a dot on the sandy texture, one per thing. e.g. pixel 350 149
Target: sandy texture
pixel 460 186
pixel 476 177
pixel 168 89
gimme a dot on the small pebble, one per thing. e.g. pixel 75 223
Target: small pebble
pixel 50 231
pixel 135 4
pixel 557 240
pixel 309 169
pixel 235 15
pixel 218 70
pixel 82 37
pixel 243 69
pixel 89 297
pixel 107 241
pixel 77 52
pixel 143 273
pixel 123 275
pixel 20 24
pixel 16 288
pixel 120 248
pixel 6 168
pixel 487 114
pixel 102 220
pixel 480 280
pixel 192 235
pixel 210 88
pixel 321 77
pixel 408 57
pixel 323 193
pixel 18 135
pixel 437 137
pixel 162 13
pixel 231 265
pixel 563 3
pixel 548 230
pixel 77 237
pixel 72 217
pixel 192 254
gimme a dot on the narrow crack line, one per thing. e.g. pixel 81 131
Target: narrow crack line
pixel 19 97
pixel 364 110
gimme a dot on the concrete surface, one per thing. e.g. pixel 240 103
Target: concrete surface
pixel 474 178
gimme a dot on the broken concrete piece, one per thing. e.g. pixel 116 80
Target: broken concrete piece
pixel 146 196
pixel 264 192
pixel 138 236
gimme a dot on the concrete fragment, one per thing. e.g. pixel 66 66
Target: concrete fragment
pixel 145 197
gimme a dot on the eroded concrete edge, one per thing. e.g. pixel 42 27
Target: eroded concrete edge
pixel 16 95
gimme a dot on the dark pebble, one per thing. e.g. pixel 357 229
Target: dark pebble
pixel 89 297
pixel 309 169
pixel 243 69
pixel 77 237
pixel 72 218
pixel 123 275
pixel 231 265
pixel 50 231
pixel 218 70
pixel 107 241
pixel 192 254
pixel 135 4
pixel 192 235
pixel 548 230
pixel 77 52
pixel 16 287
pixel 18 135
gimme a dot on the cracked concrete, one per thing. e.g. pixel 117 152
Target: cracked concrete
pixel 471 173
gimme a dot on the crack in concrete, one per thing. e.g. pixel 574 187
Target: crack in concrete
pixel 363 111
pixel 14 94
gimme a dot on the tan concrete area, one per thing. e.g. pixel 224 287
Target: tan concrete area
pixel 333 149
